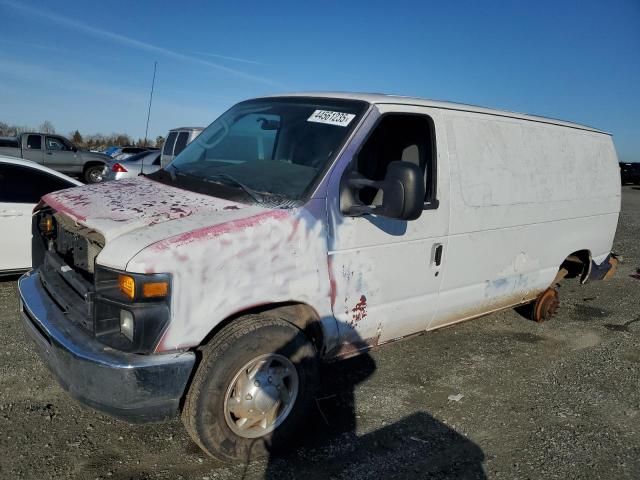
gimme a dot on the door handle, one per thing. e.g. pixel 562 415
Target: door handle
pixel 437 254
pixel 10 213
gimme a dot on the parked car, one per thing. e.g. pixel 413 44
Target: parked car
pixel 307 228
pixel 142 163
pixel 122 153
pixel 177 140
pixel 57 153
pixel 630 173
pixel 110 150
pixel 22 183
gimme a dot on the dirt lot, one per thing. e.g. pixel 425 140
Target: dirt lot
pixel 558 400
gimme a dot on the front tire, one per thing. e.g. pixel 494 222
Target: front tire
pixel 252 389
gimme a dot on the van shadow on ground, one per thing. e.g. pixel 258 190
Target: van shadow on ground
pixel 418 446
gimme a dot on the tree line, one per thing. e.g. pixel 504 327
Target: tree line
pixel 97 141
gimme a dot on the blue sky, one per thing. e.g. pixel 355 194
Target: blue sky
pixel 88 65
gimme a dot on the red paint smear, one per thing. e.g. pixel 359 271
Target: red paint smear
pixel 219 229
pixel 54 203
pixel 296 224
pixel 332 282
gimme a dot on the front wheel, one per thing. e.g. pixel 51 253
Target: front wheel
pixel 252 389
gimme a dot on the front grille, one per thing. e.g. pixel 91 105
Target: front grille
pixel 71 291
pixel 65 259
pixel 76 249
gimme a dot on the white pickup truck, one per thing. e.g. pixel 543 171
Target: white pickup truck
pixel 57 153
pixel 304 228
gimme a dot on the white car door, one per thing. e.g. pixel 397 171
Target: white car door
pixel 386 273
pixel 15 243
pixel 21 187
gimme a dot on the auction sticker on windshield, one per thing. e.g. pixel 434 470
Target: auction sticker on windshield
pixel 331 118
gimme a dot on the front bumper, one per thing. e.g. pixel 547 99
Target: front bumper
pixel 132 387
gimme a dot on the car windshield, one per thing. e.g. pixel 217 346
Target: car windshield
pixel 272 150
pixel 137 156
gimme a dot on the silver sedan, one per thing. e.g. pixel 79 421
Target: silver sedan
pixel 145 162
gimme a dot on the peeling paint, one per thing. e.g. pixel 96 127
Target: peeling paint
pixel 225 256
pixel 119 207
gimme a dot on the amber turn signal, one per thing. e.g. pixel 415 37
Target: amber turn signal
pixel 127 286
pixel 155 289
pixel 46 224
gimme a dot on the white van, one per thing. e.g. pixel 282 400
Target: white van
pixel 177 140
pixel 303 228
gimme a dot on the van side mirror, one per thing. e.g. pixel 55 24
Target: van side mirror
pixel 403 193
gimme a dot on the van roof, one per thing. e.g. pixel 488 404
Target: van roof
pixel 379 98
pixel 186 128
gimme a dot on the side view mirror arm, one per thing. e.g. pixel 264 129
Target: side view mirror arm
pixel 355 182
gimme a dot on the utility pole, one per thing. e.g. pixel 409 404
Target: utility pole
pixel 153 82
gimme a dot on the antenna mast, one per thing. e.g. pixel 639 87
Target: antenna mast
pixel 153 82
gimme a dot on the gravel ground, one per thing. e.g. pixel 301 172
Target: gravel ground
pixel 557 400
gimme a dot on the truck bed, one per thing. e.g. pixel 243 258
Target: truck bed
pixel 10 146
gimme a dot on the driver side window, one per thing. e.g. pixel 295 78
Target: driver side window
pixel 57 144
pixel 398 137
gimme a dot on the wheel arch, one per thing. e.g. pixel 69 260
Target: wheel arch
pixel 576 265
pixel 92 163
pixel 299 314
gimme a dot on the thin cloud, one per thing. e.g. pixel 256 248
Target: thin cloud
pixel 131 42
pixel 123 98
pixel 48 48
pixel 224 57
pixel 63 80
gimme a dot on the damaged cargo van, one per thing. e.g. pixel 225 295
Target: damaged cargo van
pixel 304 228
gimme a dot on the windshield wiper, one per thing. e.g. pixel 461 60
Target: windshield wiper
pixel 173 171
pixel 258 197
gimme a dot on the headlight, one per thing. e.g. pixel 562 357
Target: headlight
pixel 130 310
pixel 126 324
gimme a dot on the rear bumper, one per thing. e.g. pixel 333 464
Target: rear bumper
pixel 135 388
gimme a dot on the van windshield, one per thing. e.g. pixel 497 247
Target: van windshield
pixel 272 150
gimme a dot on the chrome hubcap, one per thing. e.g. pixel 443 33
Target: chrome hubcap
pixel 95 176
pixel 261 395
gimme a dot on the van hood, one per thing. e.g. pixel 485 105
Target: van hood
pixel 139 212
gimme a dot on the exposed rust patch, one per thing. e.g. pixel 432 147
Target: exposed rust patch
pixel 351 349
pixel 482 309
pixel 613 261
pixel 359 312
pixel 546 305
